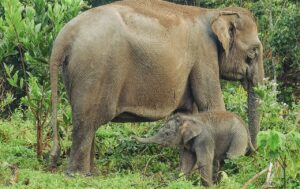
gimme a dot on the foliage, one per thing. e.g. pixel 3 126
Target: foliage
pixel 281 42
pixel 27 31
pixel 6 100
pixel 123 168
pixel 235 98
pixel 124 163
pixel 279 141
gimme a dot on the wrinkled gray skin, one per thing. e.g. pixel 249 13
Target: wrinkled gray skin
pixel 205 140
pixel 142 60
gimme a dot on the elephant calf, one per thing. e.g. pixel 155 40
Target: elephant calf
pixel 206 139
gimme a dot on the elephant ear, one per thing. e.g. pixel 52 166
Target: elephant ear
pixel 189 130
pixel 223 26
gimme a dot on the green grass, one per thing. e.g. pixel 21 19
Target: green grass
pixel 123 163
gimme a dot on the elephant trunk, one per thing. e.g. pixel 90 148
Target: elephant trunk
pixel 253 101
pixel 253 115
pixel 149 140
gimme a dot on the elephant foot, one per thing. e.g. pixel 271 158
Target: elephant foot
pixel 89 174
pixel 71 172
pixel 77 170
pixel 217 178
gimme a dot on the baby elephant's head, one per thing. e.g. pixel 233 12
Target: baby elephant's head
pixel 179 129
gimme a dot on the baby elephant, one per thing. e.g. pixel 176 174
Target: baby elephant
pixel 206 139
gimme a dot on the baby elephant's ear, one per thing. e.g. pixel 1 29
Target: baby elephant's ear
pixel 189 130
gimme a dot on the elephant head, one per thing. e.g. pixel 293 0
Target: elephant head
pixel 241 55
pixel 176 131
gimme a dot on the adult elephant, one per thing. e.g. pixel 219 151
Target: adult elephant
pixel 142 60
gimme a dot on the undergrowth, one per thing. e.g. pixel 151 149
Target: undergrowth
pixel 123 163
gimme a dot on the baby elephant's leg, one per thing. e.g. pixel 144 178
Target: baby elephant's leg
pixel 187 160
pixel 216 168
pixel 238 145
pixel 205 156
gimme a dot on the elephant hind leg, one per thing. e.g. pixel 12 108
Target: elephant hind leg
pixel 238 146
pixel 81 149
pixel 83 142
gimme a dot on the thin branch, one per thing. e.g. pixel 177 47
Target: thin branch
pixel 48 109
pixel 163 182
pixel 147 164
pixel 14 174
pixel 284 172
pixel 23 68
pixel 246 185
pixel 46 116
pixel 268 183
pixel 22 59
pixel 186 174
pixel 161 185
pixel 281 162
pixel 269 172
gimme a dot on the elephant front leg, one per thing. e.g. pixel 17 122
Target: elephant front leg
pixel 205 164
pixel 205 168
pixel 81 156
pixel 216 169
pixel 187 161
pixel 206 88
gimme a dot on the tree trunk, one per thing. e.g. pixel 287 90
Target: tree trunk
pixel 39 145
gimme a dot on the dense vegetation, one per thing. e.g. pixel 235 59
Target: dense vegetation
pixel 27 30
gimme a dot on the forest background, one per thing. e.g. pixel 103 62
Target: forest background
pixel 27 31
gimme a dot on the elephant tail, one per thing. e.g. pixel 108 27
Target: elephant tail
pixel 59 53
pixel 251 149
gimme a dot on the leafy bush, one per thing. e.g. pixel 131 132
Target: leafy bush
pixel 279 142
pixel 28 30
pixel 235 98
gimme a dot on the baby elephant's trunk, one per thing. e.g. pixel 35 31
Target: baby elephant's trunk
pixel 148 140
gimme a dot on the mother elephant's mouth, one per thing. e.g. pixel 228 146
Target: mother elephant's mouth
pixel 237 76
pixel 245 83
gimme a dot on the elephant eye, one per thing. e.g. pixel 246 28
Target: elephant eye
pixel 253 52
pixel 231 30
